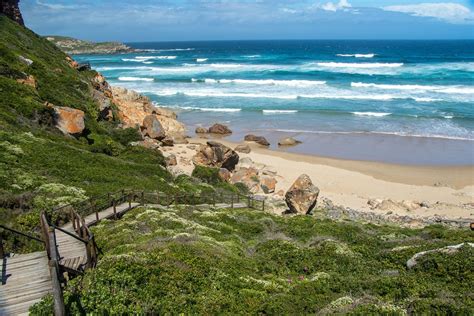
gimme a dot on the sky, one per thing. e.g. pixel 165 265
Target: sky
pixel 190 20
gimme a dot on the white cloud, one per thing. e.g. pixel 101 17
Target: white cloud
pixel 334 6
pixel 448 11
pixel 56 6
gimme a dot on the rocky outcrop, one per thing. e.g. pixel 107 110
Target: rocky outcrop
pixel 258 139
pixel 243 148
pixel 302 196
pixel 219 129
pixel 68 120
pixel 11 9
pixel 132 107
pixel 136 110
pixel 214 154
pixel 171 160
pixel 248 177
pixel 288 141
pixel 268 184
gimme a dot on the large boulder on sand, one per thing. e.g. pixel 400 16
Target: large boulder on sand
pixel 215 154
pixel 258 139
pixel 268 184
pixel 302 196
pixel 219 129
pixel 243 148
pixel 68 120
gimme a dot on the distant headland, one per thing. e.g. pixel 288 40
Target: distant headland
pixel 75 46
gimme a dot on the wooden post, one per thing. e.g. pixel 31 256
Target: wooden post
pixel 232 201
pixel 129 201
pixel 214 199
pixel 115 208
pixel 94 210
pixel 263 205
pixel 248 202
pixel 2 250
pixel 73 220
pixel 143 198
pixel 59 308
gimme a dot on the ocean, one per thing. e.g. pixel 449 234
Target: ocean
pixel 408 102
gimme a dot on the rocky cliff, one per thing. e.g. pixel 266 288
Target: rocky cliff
pixel 10 8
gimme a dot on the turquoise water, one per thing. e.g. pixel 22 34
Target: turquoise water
pixel 404 88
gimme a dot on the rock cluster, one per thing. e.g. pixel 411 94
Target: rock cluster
pixel 390 205
pixel 288 141
pixel 217 128
pixel 214 154
pixel 136 110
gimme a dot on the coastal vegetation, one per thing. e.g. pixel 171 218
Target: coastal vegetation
pixel 243 261
pixel 184 260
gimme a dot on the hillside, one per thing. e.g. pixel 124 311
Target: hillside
pixel 234 262
pixel 40 165
pixel 75 46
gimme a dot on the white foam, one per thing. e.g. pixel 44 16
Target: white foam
pixel 375 114
pixel 290 83
pixel 155 57
pixel 357 55
pixel 135 79
pixel 252 56
pixel 420 88
pixel 360 65
pixel 201 60
pixel 279 111
pixel 230 110
pixel 448 116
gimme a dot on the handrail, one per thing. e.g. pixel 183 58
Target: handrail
pixel 69 233
pixel 21 233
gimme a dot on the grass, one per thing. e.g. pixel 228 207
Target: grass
pixel 180 261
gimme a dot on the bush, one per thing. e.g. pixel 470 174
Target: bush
pixel 206 174
pixel 105 145
pixel 126 136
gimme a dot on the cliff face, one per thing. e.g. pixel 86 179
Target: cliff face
pixel 10 9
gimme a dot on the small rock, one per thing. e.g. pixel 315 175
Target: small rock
pixel 288 141
pixel 168 141
pixel 29 81
pixel 201 130
pixel 171 160
pixel 258 139
pixel 219 129
pixel 268 184
pixel 269 171
pixel 425 204
pixel 224 174
pixel 243 148
pixel 25 60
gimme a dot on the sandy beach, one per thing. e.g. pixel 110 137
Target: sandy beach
pixel 449 191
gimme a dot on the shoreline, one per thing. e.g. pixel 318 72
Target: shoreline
pixel 448 191
pixel 456 177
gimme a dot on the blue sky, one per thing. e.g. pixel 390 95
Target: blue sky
pixel 180 20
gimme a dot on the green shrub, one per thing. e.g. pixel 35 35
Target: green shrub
pixel 206 174
pixel 105 145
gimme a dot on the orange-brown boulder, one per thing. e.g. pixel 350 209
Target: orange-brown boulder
pixel 68 120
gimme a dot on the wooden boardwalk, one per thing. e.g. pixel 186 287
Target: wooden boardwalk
pixel 27 278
